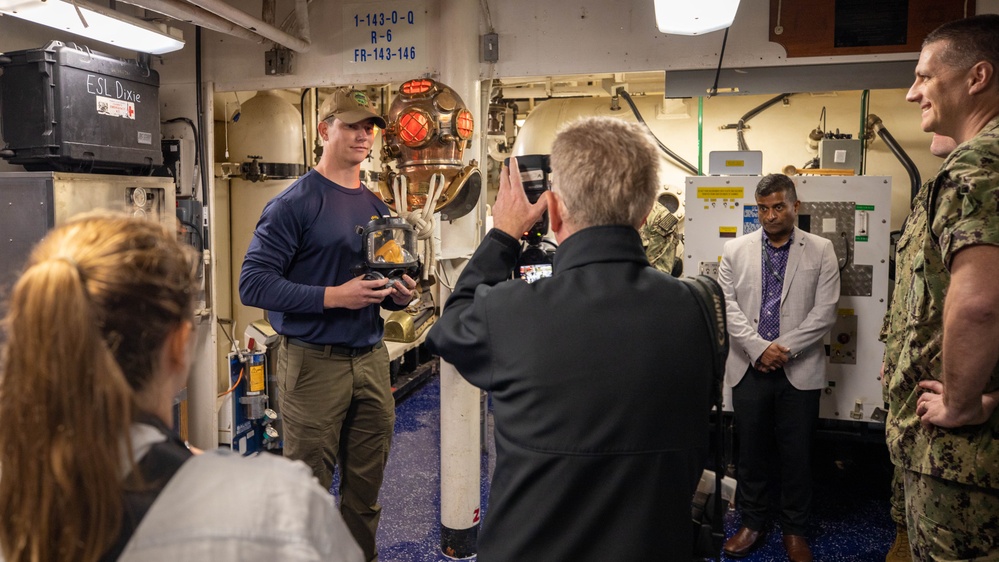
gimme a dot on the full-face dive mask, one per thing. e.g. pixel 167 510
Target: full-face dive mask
pixel 389 248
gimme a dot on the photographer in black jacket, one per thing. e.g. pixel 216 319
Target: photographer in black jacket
pixel 599 374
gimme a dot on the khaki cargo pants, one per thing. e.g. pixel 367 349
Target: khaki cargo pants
pixel 339 409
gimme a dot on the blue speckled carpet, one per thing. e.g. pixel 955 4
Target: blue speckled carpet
pixel 850 522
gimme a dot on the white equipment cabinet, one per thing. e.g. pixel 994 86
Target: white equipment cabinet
pixel 854 213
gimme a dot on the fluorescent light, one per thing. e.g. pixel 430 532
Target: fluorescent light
pixel 102 24
pixel 694 17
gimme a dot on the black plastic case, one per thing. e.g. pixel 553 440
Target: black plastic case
pixel 67 108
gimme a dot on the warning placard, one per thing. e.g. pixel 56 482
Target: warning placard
pixel 115 108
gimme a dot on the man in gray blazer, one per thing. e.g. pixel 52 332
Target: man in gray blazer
pixel 781 291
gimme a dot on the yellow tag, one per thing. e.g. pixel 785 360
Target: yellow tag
pixel 257 378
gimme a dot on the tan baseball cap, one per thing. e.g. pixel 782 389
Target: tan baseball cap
pixel 349 106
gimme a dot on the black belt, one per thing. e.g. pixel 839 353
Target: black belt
pixel 335 349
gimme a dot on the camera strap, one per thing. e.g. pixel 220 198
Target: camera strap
pixel 153 471
pixel 711 301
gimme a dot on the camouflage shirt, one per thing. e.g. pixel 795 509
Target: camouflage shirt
pixel 660 238
pixel 966 213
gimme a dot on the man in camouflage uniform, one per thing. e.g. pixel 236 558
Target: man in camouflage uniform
pixel 941 353
pixel 660 238
pixel 940 146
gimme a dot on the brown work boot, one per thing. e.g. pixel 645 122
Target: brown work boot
pixel 900 551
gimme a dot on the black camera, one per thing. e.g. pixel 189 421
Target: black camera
pixel 535 173
pixel 535 261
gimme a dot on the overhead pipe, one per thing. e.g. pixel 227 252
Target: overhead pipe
pixel 185 12
pixel 268 11
pixel 239 17
pixel 741 125
pixel 874 122
pixel 302 17
pixel 865 109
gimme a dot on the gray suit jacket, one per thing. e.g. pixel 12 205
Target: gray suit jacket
pixel 807 309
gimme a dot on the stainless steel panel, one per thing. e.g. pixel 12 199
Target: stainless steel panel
pixel 33 202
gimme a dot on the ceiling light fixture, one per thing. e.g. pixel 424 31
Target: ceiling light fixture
pixel 694 17
pixel 96 22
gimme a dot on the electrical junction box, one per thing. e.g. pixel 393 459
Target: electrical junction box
pixel 190 214
pixel 69 109
pixel 179 157
pixel 277 61
pixel 490 47
pixel 840 154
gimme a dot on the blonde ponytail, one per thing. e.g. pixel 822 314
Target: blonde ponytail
pixel 66 397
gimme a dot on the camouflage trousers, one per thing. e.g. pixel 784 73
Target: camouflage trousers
pixel 949 521
pixel 898 497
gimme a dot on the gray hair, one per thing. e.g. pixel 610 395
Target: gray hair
pixel 606 171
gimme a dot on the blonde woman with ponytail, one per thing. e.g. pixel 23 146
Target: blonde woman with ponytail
pixel 99 340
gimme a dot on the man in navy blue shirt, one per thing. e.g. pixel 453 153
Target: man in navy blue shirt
pixel 781 292
pixel 332 368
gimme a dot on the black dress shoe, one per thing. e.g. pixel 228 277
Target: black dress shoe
pixel 797 548
pixel 744 542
